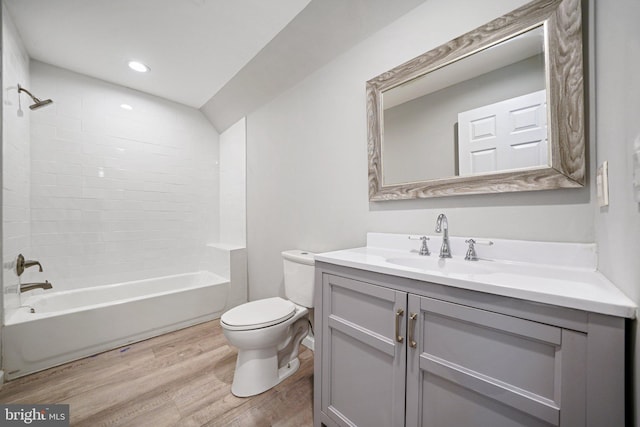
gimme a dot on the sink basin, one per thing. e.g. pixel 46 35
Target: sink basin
pixel 441 265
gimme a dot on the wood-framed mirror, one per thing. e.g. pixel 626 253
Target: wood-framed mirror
pixel 498 109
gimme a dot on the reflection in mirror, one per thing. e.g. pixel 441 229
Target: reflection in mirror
pixel 481 114
pixel 498 109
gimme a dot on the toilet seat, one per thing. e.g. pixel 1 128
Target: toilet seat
pixel 258 314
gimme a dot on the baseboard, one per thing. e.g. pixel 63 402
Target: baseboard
pixel 309 342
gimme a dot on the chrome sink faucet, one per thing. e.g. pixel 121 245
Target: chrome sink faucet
pixel 442 225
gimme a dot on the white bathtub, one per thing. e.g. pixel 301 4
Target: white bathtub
pixel 69 325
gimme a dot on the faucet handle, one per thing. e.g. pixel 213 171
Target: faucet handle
pixel 22 264
pixel 424 249
pixel 471 251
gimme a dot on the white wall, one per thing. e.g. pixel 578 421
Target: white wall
pixel 307 161
pixel 617 128
pixel 233 172
pixel 117 195
pixel 16 163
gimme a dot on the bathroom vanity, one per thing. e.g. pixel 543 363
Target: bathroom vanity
pixel 529 335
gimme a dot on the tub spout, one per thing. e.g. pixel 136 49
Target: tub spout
pixel 31 286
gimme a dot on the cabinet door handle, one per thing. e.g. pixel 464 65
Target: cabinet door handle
pixel 412 328
pixel 399 315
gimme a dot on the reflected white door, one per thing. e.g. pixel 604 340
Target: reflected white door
pixel 510 134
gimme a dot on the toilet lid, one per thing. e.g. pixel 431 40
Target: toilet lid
pixel 259 314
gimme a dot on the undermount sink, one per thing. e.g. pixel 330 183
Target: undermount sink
pixel 441 265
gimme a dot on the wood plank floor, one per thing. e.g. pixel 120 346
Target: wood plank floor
pixel 179 379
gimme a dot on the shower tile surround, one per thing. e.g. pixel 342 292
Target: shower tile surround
pixel 117 195
pixel 16 163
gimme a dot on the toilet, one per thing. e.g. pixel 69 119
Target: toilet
pixel 268 332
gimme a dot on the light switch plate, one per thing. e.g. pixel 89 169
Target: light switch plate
pixel 602 184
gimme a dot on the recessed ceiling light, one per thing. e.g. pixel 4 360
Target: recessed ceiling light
pixel 126 107
pixel 138 66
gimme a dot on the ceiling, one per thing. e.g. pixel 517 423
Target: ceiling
pixel 193 47
pixel 317 35
pixel 225 57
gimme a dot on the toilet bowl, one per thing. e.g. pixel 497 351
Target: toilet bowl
pixel 268 332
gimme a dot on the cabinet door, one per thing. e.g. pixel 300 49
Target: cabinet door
pixel 363 355
pixel 472 367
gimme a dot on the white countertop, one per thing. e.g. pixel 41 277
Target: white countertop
pixel 567 276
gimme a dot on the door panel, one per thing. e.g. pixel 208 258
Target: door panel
pixel 449 404
pixel 510 134
pixel 476 368
pixel 362 304
pixel 363 364
pixel 491 344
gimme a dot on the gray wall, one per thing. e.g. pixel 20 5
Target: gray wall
pixel 617 227
pixel 307 160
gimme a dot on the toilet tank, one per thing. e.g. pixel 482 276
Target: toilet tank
pixel 299 276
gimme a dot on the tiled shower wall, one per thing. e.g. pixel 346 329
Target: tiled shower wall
pixel 117 194
pixel 16 163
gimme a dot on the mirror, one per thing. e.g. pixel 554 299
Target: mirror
pixel 498 109
pixel 483 113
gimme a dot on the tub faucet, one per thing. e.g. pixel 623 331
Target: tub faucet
pixel 24 287
pixel 22 264
pixel 443 225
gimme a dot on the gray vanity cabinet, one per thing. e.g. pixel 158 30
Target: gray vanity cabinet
pixel 393 352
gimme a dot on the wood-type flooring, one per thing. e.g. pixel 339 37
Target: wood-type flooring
pixel 182 378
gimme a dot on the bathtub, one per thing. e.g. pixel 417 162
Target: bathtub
pixel 57 327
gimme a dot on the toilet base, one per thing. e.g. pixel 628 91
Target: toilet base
pixel 256 375
pixel 258 370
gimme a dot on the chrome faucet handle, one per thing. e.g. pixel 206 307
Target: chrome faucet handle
pixel 424 249
pixel 471 251
pixel 22 264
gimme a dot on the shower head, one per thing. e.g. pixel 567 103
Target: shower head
pixel 37 103
pixel 40 103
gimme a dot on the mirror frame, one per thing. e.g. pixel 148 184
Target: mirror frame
pixel 562 21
